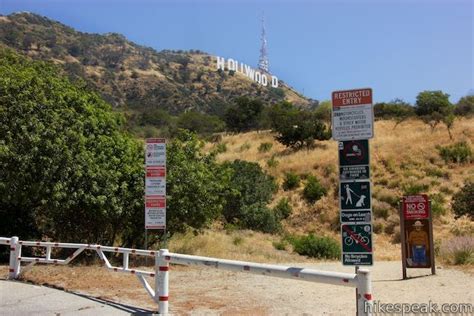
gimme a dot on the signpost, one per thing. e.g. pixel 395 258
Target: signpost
pixel 155 185
pixel 352 126
pixel 416 232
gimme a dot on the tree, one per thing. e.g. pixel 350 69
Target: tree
pixel 244 115
pixel 465 106
pixel 200 123
pixel 433 107
pixel 323 112
pixel 196 186
pixel 397 110
pixel 251 189
pixel 69 171
pixel 463 202
pixel 296 128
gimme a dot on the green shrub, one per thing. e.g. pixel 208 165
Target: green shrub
pixel 246 146
pixel 446 189
pixel 292 181
pixel 313 190
pixel 460 152
pixel 220 148
pixel 259 217
pixel 381 209
pixel 414 188
pixel 249 185
pixel 436 172
pixel 463 201
pixel 316 247
pixel 459 250
pixel 237 240
pixel 283 209
pixel 388 197
pixel 437 204
pixel 265 147
pixel 378 227
pixel 280 245
pixel 272 162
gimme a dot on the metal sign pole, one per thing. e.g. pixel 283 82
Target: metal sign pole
pixel 403 241
pixel 432 250
pixel 357 293
pixel 146 245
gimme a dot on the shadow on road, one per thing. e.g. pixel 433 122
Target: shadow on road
pixel 125 308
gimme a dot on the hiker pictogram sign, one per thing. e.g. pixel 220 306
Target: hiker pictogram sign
pixel 355 195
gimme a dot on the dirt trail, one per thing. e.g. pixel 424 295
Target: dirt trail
pixel 207 291
pixel 210 291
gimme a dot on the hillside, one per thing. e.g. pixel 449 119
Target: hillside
pixel 403 160
pixel 134 77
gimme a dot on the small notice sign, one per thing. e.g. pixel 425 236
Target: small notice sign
pixel 155 152
pixel 155 212
pixel 352 114
pixel 354 217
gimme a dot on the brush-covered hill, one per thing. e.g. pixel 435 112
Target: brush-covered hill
pixel 134 77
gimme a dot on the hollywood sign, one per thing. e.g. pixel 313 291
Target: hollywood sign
pixel 255 75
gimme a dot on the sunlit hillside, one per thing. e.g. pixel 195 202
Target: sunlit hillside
pixel 404 159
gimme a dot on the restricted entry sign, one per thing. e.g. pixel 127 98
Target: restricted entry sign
pixel 155 212
pixel 352 114
pixel 155 181
pixel 356 244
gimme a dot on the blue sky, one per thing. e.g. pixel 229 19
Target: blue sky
pixel 396 47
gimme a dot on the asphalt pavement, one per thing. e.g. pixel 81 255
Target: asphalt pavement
pixel 18 298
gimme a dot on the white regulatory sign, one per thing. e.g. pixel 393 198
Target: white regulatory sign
pixel 155 152
pixel 352 114
pixel 155 212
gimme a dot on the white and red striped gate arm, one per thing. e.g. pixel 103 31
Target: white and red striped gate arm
pixel 160 294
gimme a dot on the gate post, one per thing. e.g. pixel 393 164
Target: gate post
pixel 162 281
pixel 364 290
pixel 15 253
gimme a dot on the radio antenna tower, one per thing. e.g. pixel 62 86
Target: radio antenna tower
pixel 263 60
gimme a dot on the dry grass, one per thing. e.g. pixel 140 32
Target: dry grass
pixel 400 158
pixel 243 245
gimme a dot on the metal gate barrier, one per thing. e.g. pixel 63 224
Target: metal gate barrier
pixel 160 293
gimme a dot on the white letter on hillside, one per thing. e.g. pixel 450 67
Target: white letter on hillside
pixel 258 77
pixel 264 80
pixel 220 63
pixel 274 82
pixel 231 64
pixel 249 72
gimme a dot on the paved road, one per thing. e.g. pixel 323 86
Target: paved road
pixel 17 298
